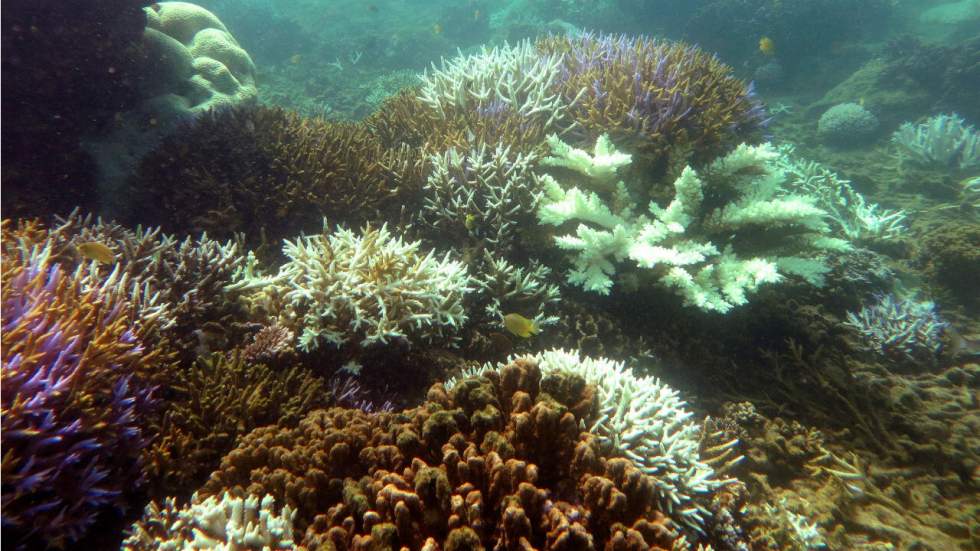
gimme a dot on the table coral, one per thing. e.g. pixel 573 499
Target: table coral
pixel 500 460
pixel 78 382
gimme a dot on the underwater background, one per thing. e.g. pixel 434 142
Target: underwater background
pixel 490 274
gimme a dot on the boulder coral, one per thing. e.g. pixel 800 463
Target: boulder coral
pixel 196 63
pixel 502 460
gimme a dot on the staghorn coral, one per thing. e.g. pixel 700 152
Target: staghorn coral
pixel 906 331
pixel 272 342
pixel 270 174
pixel 730 228
pixel 370 288
pixel 227 523
pixel 218 399
pixel 496 461
pixel 180 283
pixel 480 195
pixel 652 96
pixel 77 387
pixel 506 289
pixel 645 421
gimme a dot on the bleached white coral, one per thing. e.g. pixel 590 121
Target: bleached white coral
pixel 643 420
pixel 221 524
pixel 370 287
pixel 944 141
pixel 847 211
pixel 801 533
pixel 600 165
pixel 517 77
pixel 694 242
pixel 482 193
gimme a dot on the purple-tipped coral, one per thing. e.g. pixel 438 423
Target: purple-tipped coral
pixel 904 330
pixel 651 95
pixel 76 379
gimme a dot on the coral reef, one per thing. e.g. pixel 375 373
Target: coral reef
pixel 943 141
pixel 67 68
pixel 227 523
pixel 213 402
pixel 652 97
pixel 501 459
pixel 78 383
pixel 949 255
pixel 847 124
pixel 269 174
pixel 690 243
pixel 339 287
pixel 507 289
pixel 645 421
pixel 906 331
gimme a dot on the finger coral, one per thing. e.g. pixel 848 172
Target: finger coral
pixel 500 461
pixel 77 386
pixel 342 287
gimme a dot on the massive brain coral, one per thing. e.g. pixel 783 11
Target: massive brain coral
pixel 196 64
pixel 501 460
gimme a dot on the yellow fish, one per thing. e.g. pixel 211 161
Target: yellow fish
pixel 93 250
pixel 437 29
pixel 520 326
pixel 470 221
pixel 295 59
pixel 767 46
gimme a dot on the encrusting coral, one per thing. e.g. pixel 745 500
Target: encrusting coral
pixel 78 380
pixel 730 228
pixel 499 460
pixel 340 287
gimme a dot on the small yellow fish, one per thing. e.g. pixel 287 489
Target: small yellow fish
pixel 295 59
pixel 520 326
pixel 767 46
pixel 470 221
pixel 93 250
pixel 437 29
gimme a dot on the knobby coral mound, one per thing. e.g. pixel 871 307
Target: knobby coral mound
pixel 78 381
pixel 500 460
pixel 340 287
pixel 652 96
pixel 270 174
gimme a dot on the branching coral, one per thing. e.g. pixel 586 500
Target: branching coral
pixel 652 95
pixel 227 523
pixel 499 461
pixel 904 330
pixel 481 194
pixel 270 173
pixel 77 387
pixel 371 288
pixel 645 421
pixel 944 141
pixel 508 289
pixel 215 401
pixel 847 210
pixel 728 230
